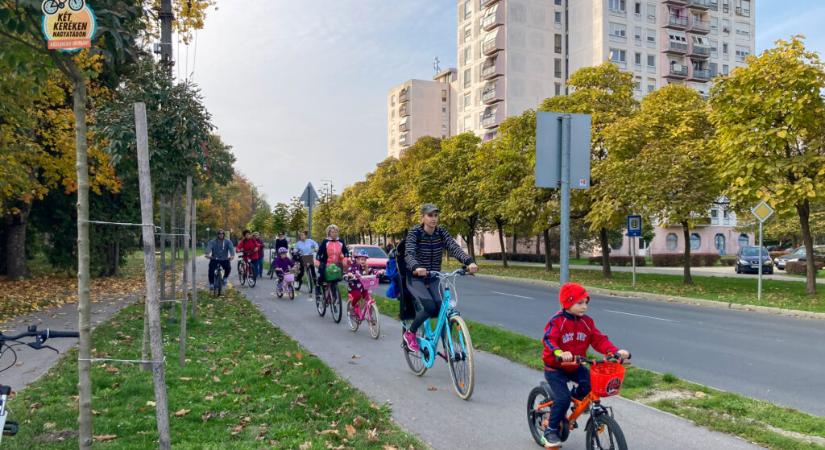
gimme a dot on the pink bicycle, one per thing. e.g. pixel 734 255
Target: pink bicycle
pixel 361 306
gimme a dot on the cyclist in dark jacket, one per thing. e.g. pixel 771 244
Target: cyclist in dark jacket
pixel 425 245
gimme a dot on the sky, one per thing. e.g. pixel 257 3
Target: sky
pixel 299 88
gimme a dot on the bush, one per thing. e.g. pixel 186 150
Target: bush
pixel 678 259
pixel 801 267
pixel 618 260
pixel 524 257
pixel 728 261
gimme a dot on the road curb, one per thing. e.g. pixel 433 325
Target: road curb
pixel 675 299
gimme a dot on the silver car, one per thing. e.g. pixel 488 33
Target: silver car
pixel 798 254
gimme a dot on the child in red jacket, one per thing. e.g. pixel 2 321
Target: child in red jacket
pixel 568 334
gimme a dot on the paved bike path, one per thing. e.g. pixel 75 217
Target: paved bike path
pixel 494 418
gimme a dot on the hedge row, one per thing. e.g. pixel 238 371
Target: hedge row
pixel 524 257
pixel 678 259
pixel 618 260
pixel 801 267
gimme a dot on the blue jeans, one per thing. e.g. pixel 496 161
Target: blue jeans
pixel 558 379
pixel 258 267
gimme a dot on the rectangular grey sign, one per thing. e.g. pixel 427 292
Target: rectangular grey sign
pixel 548 150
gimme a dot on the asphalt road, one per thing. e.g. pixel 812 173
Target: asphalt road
pixel 494 418
pixel 776 358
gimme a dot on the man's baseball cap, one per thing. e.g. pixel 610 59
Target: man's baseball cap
pixel 428 208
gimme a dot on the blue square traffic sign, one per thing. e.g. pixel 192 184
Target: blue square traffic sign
pixel 634 226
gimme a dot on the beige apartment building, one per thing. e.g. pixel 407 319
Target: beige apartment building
pixel 419 108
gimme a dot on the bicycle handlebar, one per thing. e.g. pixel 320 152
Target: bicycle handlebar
pixel 458 272
pixel 610 357
pixel 41 336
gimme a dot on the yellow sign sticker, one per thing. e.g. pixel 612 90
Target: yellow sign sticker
pixel 68 25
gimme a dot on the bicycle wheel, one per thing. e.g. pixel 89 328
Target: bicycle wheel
pixel 279 291
pixel 75 5
pixel 352 319
pixel 335 298
pixel 461 358
pixel 291 292
pixel 251 280
pixel 241 273
pixel 537 418
pixel 604 433
pixel 321 303
pixel 50 7
pixel 414 359
pixel 372 321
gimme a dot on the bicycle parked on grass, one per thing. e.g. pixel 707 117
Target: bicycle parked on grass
pixel 10 428
pixel 455 339
pixel 367 310
pixel 602 432
pixel 246 274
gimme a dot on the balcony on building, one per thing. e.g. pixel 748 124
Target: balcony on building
pixel 699 50
pixel 677 2
pixel 700 4
pixel 701 74
pixel 676 47
pixel 699 26
pixel 493 67
pixel 404 95
pixel 676 21
pixel 493 17
pixel 493 92
pixel 486 3
pixel 405 124
pixel 404 110
pixel 676 71
pixel 492 116
pixel 404 139
pixel 493 42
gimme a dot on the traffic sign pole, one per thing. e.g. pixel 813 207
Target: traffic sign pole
pixel 564 246
pixel 762 212
pixel 761 263
pixel 633 258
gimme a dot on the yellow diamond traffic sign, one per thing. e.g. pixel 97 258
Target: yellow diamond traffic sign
pixel 762 211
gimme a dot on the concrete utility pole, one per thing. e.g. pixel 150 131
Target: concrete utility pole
pixel 166 17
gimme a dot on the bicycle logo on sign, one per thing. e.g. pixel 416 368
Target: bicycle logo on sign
pixel 53 6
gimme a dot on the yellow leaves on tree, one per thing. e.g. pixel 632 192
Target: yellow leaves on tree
pixel 228 207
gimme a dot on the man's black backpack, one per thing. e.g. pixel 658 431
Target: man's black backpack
pixel 406 301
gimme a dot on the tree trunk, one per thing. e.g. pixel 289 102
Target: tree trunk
pixel 606 272
pixel 500 227
pixel 184 305
pixel 15 246
pixel 163 231
pixel 472 222
pixel 152 302
pixel 538 244
pixel 578 246
pixel 84 352
pixel 194 259
pixel 548 252
pixel 173 213
pixel 515 242
pixel 116 267
pixel 804 211
pixel 686 231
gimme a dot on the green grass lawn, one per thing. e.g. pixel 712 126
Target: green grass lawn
pixel 754 420
pixel 246 385
pixel 778 294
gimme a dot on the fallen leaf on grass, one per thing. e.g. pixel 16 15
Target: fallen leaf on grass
pixel 390 447
pixel 299 355
pixel 305 446
pixel 185 378
pixel 105 437
pixel 216 379
pixel 372 435
pixel 49 425
pixel 209 398
pixel 182 412
pixel 151 403
pixel 350 430
pixel 325 432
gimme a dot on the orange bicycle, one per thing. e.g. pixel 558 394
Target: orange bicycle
pixel 602 432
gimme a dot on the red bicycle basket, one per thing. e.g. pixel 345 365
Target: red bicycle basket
pixel 606 378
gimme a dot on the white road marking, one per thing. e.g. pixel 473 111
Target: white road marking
pixel 513 295
pixel 641 315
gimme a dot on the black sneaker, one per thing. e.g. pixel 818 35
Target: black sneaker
pixel 551 440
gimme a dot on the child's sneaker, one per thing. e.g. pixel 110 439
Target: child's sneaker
pixel 551 440
pixel 411 341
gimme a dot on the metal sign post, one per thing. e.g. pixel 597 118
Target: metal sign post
pixel 309 198
pixel 762 212
pixel 562 155
pixel 634 231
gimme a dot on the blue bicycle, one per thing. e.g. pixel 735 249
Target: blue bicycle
pixel 454 335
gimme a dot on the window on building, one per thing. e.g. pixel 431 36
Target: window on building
pixel 714 25
pixel 443 95
pixel 714 48
pixel 725 69
pixel 725 26
pixel 743 30
pixel 617 6
pixel 468 122
pixel 695 241
pixel 468 77
pixel 725 49
pixel 651 85
pixel 637 35
pixel 557 67
pixel 743 8
pixel 618 31
pixel 558 2
pixel 637 58
pixel 744 240
pixel 557 17
pixel 742 52
pixel 468 54
pixel 672 241
pixel 637 85
pixel 651 61
pixel 651 37
pixel 719 243
pixel 468 100
pixel 651 13
pixel 557 43
pixel 618 55
pixel 468 33
pixel 557 90
pixel 468 9
pixel 725 5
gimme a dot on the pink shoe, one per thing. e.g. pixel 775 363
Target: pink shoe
pixel 411 340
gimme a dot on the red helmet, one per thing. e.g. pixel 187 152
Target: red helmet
pixel 572 293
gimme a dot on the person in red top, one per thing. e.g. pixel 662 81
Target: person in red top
pixel 250 248
pixel 569 333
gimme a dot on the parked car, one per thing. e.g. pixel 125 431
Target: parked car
pixel 799 254
pixel 747 260
pixel 377 257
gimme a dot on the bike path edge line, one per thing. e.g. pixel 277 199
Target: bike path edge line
pixel 675 299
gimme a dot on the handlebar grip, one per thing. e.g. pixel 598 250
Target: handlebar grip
pixel 61 334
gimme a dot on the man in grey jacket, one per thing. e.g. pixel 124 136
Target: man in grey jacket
pixel 219 251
